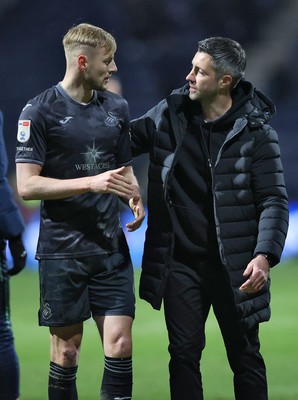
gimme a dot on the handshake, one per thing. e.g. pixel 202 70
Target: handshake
pixel 18 253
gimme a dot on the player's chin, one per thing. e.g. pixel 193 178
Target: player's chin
pixel 194 95
pixel 105 84
pixel 102 85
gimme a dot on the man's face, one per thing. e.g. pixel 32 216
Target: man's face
pixel 100 66
pixel 203 83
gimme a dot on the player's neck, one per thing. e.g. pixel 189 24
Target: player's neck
pixel 77 92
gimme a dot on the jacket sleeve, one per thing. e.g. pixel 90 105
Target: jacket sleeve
pixel 3 155
pixel 142 129
pixel 270 195
pixel 11 222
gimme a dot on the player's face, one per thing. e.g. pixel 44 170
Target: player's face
pixel 101 65
pixel 203 82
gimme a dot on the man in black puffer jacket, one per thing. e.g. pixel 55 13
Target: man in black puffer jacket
pixel 217 216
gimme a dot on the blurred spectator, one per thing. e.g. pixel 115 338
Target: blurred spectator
pixel 11 228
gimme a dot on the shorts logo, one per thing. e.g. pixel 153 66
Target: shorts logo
pixel 46 312
pixel 111 120
pixel 24 130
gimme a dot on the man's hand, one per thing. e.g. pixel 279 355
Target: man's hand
pixel 114 181
pixel 136 205
pixel 258 272
pixel 18 253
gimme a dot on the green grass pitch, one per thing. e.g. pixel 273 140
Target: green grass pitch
pixel 279 340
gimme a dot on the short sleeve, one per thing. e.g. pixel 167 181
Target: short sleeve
pixel 31 135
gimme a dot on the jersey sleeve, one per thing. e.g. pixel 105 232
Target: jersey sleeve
pixel 123 150
pixel 31 135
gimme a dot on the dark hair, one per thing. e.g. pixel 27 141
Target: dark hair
pixel 228 57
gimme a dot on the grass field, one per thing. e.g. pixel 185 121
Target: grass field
pixel 278 338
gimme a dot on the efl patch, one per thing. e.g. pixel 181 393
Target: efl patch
pixel 24 130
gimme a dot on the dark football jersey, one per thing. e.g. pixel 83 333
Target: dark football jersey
pixel 72 140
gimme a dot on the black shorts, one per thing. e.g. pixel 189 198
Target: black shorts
pixel 73 290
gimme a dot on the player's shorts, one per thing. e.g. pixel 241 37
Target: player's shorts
pixel 73 290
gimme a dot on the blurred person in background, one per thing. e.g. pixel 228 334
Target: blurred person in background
pixel 74 154
pixel 11 229
pixel 115 85
pixel 217 216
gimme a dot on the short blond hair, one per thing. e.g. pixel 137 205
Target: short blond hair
pixel 90 36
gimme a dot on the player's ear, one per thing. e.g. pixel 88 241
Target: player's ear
pixel 226 80
pixel 82 62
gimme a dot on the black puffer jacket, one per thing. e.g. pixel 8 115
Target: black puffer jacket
pixel 249 195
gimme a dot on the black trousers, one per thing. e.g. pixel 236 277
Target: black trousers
pixel 190 292
pixel 9 362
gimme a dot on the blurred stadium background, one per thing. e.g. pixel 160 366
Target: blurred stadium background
pixel 156 42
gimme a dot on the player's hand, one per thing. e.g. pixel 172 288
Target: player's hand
pixel 136 205
pixel 113 181
pixel 18 253
pixel 257 272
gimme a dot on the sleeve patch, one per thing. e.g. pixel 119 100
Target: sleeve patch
pixel 23 130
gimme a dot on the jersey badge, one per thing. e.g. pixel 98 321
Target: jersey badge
pixel 24 130
pixel 111 120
